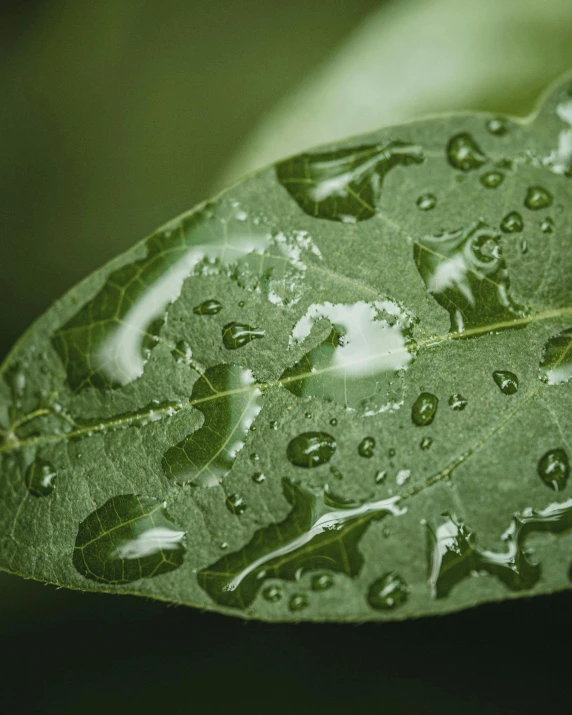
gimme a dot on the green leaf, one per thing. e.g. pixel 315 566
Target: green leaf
pixel 340 391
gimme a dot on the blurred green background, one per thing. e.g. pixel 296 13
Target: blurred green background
pixel 118 115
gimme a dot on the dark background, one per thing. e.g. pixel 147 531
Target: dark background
pixel 116 116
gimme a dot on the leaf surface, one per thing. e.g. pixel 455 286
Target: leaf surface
pixel 342 390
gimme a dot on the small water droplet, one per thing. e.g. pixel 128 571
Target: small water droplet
pixel 492 179
pixel 366 447
pixel 464 153
pixel 333 422
pixel 235 504
pixel 224 546
pixel 380 477
pixel 554 469
pixel 497 126
pixel 273 425
pixel 392 452
pixel 40 478
pixel 537 198
pixel 297 602
pixel 208 307
pixel 402 476
pixel 241 304
pixel 254 457
pixel 424 408
pixel 272 594
pixel 336 473
pixel 547 226
pixel 182 353
pixel 507 381
pixel 457 402
pixel 388 592
pixel 426 202
pixel 308 415
pixel 321 582
pixel 512 223
pixel 426 443
pixel 236 335
pixel 523 246
pixel 258 477
pixel 311 449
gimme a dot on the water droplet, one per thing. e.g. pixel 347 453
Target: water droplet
pixel 333 422
pixel 343 185
pixel 241 304
pixel 322 581
pixel 366 447
pixel 254 457
pixel 457 402
pixel 497 126
pixel 40 478
pixel 298 602
pixel 235 504
pixel 208 307
pixel 537 198
pixel 492 179
pixel 272 594
pixel 426 202
pixel 388 592
pixel 556 362
pixel 424 408
pixel 523 246
pixel 273 425
pixel 224 546
pixel 308 539
pixel 336 473
pixel 554 469
pixel 512 223
pixel 392 452
pixel 130 537
pixel 308 415
pixel 464 153
pixel 236 335
pixel 426 443
pixel 507 381
pixel 380 477
pixel 311 449
pixel 547 226
pixel 183 353
pixel 258 478
pixel 402 476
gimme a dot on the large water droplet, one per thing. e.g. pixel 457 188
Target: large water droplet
pixel 464 153
pixel 40 478
pixel 343 185
pixel 235 504
pixel 208 307
pixel 537 198
pixel 424 408
pixel 366 447
pixel 556 363
pixel 512 223
pixel 507 381
pixel 492 179
pixel 236 335
pixel 554 469
pixel 426 202
pixel 316 535
pixel 130 537
pixel 311 449
pixel 388 592
pixel 457 402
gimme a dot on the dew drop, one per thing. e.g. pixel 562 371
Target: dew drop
pixel 554 469
pixel 497 126
pixel 272 594
pixel 224 546
pixel 426 443
pixel 492 179
pixel 402 476
pixel 333 422
pixel 366 447
pixel 547 226
pixel 537 198
pixel 336 473
pixel 208 307
pixel 388 592
pixel 512 223
pixel 273 425
pixel 258 478
pixel 235 504
pixel 392 452
pixel 457 402
pixel 241 304
pixel 424 408
pixel 298 602
pixel 321 582
pixel 236 335
pixel 426 202
pixel 464 153
pixel 523 246
pixel 380 477
pixel 40 478
pixel 311 449
pixel 507 381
